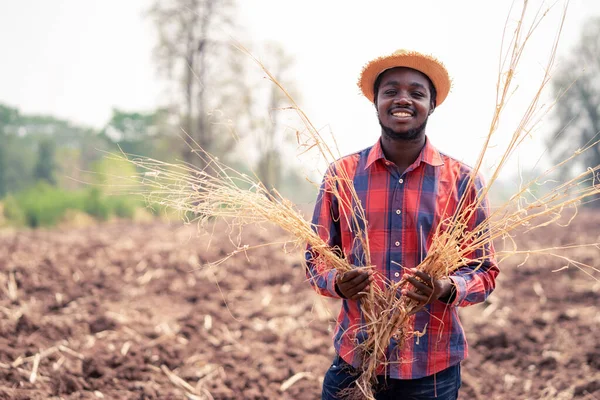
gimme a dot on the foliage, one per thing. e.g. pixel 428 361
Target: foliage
pixel 29 145
pixel 13 212
pixel 138 133
pixel 95 205
pixel 48 163
pixel 577 87
pixel 44 205
pixel 45 167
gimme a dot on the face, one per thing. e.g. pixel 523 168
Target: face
pixel 403 103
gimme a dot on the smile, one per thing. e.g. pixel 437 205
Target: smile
pixel 402 114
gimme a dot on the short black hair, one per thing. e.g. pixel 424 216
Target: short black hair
pixel 378 83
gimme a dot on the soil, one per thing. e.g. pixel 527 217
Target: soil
pixel 126 311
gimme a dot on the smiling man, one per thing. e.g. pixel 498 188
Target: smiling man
pixel 406 188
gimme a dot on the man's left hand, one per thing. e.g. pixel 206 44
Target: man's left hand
pixel 427 289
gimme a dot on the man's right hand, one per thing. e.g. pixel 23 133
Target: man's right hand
pixel 354 284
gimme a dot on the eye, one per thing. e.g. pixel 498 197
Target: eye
pixel 418 94
pixel 390 92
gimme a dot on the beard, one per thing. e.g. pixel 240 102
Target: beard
pixel 410 134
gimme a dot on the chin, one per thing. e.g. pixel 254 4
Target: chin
pixel 404 135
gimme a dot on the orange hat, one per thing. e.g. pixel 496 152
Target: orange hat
pixel 426 64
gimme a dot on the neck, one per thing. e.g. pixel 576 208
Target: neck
pixel 402 152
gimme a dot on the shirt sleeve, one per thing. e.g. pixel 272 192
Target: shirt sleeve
pixel 325 223
pixel 475 281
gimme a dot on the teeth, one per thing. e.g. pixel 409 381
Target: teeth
pixel 401 114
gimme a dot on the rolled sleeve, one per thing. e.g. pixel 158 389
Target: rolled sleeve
pixel 460 290
pixel 476 280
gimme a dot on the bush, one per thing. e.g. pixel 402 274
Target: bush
pixel 13 211
pixel 123 207
pixel 45 205
pixel 96 205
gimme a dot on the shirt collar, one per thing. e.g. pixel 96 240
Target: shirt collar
pixel 429 154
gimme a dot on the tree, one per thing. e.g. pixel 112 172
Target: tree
pixel 136 132
pixel 45 167
pixel 270 139
pixel 24 138
pixel 577 87
pixel 16 156
pixel 7 117
pixel 189 47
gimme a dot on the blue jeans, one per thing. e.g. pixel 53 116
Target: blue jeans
pixel 445 385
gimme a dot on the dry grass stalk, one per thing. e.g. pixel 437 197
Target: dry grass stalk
pixel 176 380
pixel 221 192
pixel 42 354
pixel 125 348
pixel 12 286
pixel 207 373
pixel 293 379
pixel 23 372
pixel 34 370
pixel 71 352
pixel 225 193
pixel 56 366
pixel 190 392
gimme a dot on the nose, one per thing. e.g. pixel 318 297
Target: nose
pixel 403 100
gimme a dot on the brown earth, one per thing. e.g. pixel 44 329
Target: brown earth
pixel 123 311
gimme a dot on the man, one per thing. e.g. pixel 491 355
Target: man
pixel 406 188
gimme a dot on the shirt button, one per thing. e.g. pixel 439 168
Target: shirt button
pixel 401 180
pixel 397 244
pixel 398 212
pixel 396 274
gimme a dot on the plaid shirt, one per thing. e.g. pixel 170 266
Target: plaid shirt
pixel 402 210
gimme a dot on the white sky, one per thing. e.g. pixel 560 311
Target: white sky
pixel 77 59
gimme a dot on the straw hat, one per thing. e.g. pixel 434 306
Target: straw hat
pixel 426 64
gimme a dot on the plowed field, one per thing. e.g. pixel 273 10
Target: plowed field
pixel 124 311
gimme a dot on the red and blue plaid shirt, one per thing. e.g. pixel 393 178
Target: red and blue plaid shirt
pixel 402 210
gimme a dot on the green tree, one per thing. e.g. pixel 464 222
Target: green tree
pixel 577 87
pixel 45 167
pixel 136 132
pixel 7 116
pixel 15 152
pixel 3 163
pixel 24 138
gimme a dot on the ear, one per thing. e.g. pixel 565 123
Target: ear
pixel 431 107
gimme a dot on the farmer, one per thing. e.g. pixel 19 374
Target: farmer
pixel 406 186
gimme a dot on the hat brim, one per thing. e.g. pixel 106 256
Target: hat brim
pixel 427 65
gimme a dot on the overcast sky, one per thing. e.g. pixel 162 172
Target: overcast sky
pixel 77 59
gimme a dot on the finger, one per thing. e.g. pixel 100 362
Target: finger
pixel 353 290
pixel 349 275
pixel 420 286
pixel 426 277
pixel 361 294
pixel 358 280
pixel 415 296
